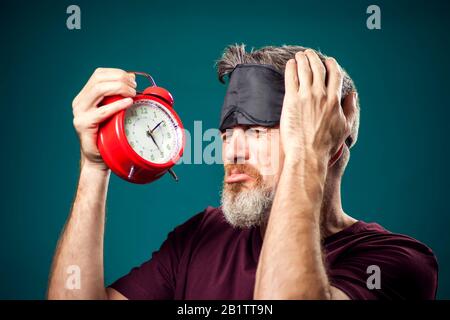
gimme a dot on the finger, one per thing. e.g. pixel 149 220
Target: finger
pixel 317 68
pixel 334 78
pixel 95 93
pixel 104 112
pixel 112 74
pixel 349 108
pixel 304 72
pixel 290 77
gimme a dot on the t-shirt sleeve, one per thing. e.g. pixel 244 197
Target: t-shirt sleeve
pixel 408 270
pixel 155 278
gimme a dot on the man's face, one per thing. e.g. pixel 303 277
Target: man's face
pixel 252 160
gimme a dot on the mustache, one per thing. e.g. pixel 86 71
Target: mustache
pixel 242 168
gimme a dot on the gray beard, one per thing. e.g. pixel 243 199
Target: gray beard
pixel 247 208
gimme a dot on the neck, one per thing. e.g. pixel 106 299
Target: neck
pixel 333 217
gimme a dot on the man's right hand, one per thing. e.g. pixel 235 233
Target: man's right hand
pixel 87 116
pixel 81 243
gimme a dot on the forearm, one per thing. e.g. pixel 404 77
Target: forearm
pixel 291 265
pixel 81 243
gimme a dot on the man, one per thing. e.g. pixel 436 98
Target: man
pixel 289 119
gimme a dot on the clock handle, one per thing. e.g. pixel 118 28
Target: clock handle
pixel 144 74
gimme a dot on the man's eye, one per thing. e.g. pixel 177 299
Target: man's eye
pixel 255 132
pixel 226 136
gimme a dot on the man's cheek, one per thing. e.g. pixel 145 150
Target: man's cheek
pixel 228 154
pixel 268 156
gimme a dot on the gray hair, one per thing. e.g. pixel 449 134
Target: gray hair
pixel 277 57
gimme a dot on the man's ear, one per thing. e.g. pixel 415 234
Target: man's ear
pixel 349 107
pixel 349 141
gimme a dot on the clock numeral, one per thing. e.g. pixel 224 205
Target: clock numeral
pixel 133 113
pixel 168 146
pixel 168 135
pixel 128 121
pixel 144 111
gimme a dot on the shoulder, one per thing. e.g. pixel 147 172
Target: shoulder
pixel 408 267
pixel 208 216
pixel 374 237
pixel 210 219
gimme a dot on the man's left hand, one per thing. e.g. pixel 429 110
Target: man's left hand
pixel 313 122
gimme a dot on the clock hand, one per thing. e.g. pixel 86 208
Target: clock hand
pixel 156 126
pixel 154 141
pixel 172 173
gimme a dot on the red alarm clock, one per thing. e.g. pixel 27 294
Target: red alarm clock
pixel 143 142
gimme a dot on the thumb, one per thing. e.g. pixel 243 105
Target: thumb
pixel 104 112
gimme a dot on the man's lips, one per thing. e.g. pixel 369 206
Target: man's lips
pixel 237 177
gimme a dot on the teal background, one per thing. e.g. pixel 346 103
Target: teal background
pixel 397 174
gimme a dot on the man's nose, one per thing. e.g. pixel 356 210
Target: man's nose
pixel 237 149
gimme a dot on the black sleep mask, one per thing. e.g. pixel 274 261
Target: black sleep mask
pixel 254 97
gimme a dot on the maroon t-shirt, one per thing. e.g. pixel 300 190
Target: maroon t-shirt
pixel 206 258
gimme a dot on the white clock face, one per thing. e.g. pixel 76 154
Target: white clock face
pixel 152 131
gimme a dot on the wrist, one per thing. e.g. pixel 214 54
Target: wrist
pixel 94 169
pixel 309 159
pixel 310 170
